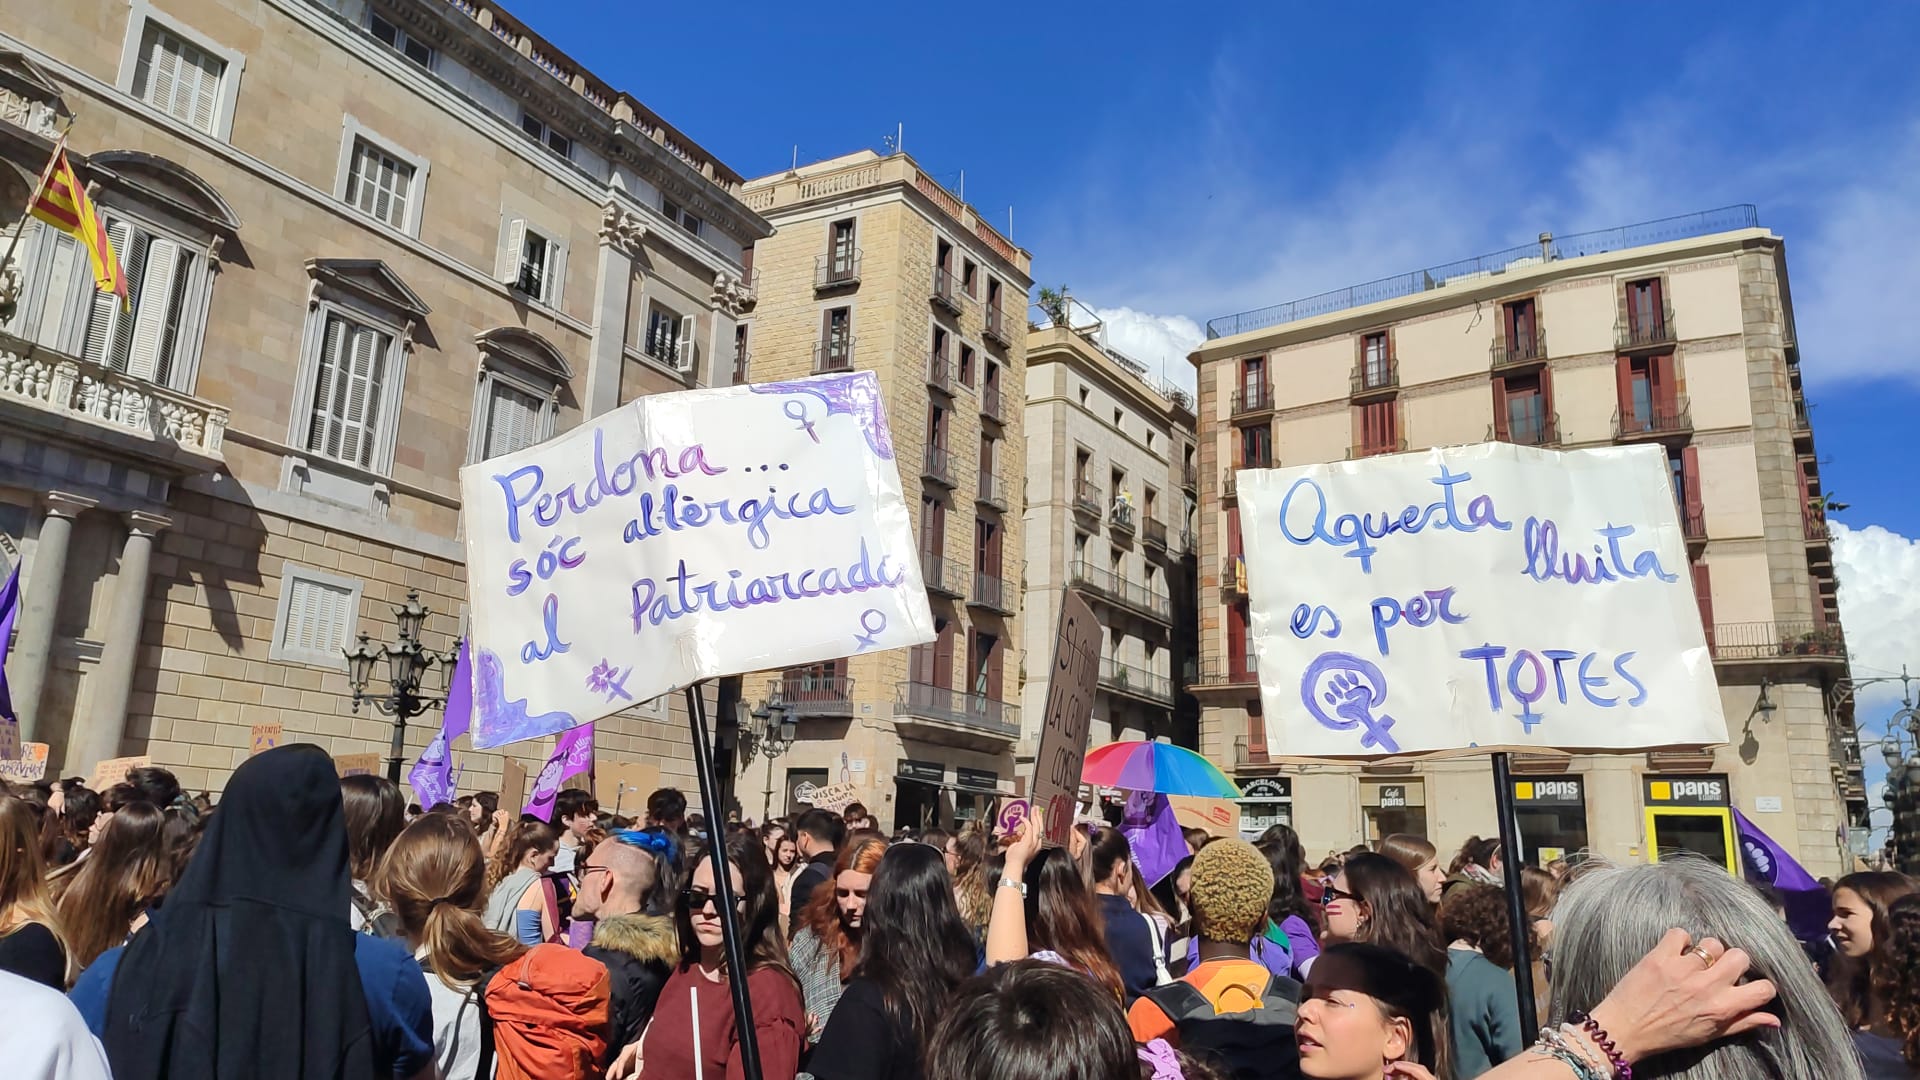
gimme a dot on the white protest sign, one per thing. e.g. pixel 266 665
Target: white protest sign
pixel 1488 596
pixel 682 537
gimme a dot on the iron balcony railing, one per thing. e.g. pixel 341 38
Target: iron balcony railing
pixel 944 292
pixel 1693 525
pixel 952 706
pixel 1155 532
pixel 1548 249
pixel 1814 523
pixel 996 326
pixel 834 354
pixel 1535 431
pixel 1233 575
pixel 990 404
pixel 1219 669
pixel 1120 520
pixel 1248 752
pixel 1135 681
pixel 1086 498
pixel 1395 445
pixel 941 576
pixel 937 466
pixel 991 492
pixel 1189 476
pixel 1376 376
pixel 742 365
pixel 1105 584
pixel 1228 485
pixel 1252 399
pixel 991 593
pixel 1652 332
pixel 1802 417
pixel 837 270
pixel 806 693
pixel 1522 350
pixel 1676 419
pixel 1776 640
pixel 940 374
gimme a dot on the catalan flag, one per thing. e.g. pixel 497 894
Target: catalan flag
pixel 62 202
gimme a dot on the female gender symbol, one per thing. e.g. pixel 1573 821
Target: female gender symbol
pixel 866 640
pixel 797 411
pixel 1354 688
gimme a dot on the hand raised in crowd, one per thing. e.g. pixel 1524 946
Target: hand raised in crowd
pixel 1682 995
pixel 1027 839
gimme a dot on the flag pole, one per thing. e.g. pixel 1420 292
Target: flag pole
pixel 20 227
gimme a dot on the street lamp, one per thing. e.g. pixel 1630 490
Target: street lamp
pixel 774 734
pixel 407 662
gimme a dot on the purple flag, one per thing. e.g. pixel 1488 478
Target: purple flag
pixel 9 608
pixel 572 755
pixel 1154 833
pixel 432 776
pixel 1765 862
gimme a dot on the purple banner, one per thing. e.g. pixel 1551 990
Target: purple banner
pixel 1765 862
pixel 432 777
pixel 9 608
pixel 1154 832
pixel 572 755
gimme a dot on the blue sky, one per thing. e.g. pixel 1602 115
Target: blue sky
pixel 1172 167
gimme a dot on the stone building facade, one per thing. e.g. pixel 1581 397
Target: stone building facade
pixel 1678 333
pixel 1111 468
pixel 874 265
pixel 367 243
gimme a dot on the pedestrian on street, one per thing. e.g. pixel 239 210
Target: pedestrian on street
pixel 827 945
pixel 376 812
pixel 109 897
pixel 1044 909
pixel 521 901
pixel 818 836
pixel 31 944
pixel 627 890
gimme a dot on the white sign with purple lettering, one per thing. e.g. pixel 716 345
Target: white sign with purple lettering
pixel 1491 596
pixel 682 537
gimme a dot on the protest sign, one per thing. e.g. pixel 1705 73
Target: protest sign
pixel 1012 813
pixel 356 764
pixel 1219 817
pixel 267 736
pixel 1475 597
pixel 1068 717
pixel 682 537
pixel 513 784
pixel 29 766
pixel 622 787
pixel 114 770
pixel 833 797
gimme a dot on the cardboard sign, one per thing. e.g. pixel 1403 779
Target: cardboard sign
pixel 683 537
pixel 622 787
pixel 1012 813
pixel 29 766
pixel 9 734
pixel 1476 598
pixel 513 783
pixel 357 764
pixel 1219 817
pixel 1068 717
pixel 267 736
pixel 114 770
pixel 833 797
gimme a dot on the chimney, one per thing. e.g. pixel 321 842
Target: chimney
pixel 1546 247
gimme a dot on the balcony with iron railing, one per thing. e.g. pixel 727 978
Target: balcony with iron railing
pixel 991 593
pixel 1251 401
pixel 1802 416
pixel 809 693
pixel 945 704
pixel 1651 333
pixel 1154 533
pixel 995 329
pixel 937 467
pixel 992 405
pixel 1233 575
pixel 1666 420
pixel 1534 431
pixel 1229 484
pixel 1135 682
pixel 1801 640
pixel 1086 498
pixel 1523 350
pixel 1374 448
pixel 940 375
pixel 1220 669
pixel 1813 522
pixel 946 294
pixel 991 492
pixel 1106 585
pixel 1376 377
pixel 1120 519
pixel 1246 751
pixel 1189 476
pixel 742 366
pixel 834 354
pixel 942 576
pixel 837 270
pixel 1693 525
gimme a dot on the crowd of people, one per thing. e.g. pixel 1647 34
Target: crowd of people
pixel 309 926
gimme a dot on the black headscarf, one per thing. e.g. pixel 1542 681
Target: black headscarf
pixel 248 971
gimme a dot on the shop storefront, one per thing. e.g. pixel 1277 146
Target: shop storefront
pixel 1398 806
pixel 1264 801
pixel 1552 813
pixel 796 778
pixel 1689 813
pixel 916 793
pixel 974 792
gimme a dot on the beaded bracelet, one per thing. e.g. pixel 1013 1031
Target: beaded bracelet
pixel 1554 1043
pixel 1621 1069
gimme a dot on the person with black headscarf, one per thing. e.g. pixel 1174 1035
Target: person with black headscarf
pixel 249 969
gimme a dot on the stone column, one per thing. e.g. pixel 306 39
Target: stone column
pixel 40 609
pixel 96 735
pixel 620 236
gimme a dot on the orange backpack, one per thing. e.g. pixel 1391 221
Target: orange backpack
pixel 546 1017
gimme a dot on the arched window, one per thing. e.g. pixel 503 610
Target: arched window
pixel 518 396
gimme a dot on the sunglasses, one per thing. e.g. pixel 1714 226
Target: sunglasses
pixel 701 899
pixel 1330 894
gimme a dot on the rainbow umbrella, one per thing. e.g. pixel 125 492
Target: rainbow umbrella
pixel 1157 766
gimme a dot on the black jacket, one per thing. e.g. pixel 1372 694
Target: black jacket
pixel 639 952
pixel 812 876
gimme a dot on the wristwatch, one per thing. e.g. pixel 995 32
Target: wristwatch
pixel 1014 883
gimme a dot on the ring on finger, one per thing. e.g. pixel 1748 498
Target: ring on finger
pixel 1706 957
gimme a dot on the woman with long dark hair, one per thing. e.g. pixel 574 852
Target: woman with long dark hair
pixel 1901 989
pixel 672 1045
pixel 915 951
pixel 376 812
pixel 1291 922
pixel 1130 941
pixel 1044 909
pixel 1417 854
pixel 521 900
pixel 31 944
pixel 1863 963
pixel 826 944
pixel 1376 900
pixel 108 897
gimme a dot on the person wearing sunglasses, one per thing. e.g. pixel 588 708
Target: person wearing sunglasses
pixel 673 1043
pixel 627 891
pixel 1374 899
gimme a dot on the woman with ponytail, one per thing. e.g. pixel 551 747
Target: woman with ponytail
pixel 521 900
pixel 434 880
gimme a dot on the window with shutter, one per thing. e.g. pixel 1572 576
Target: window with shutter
pixel 513 419
pixel 316 618
pixel 142 338
pixel 347 392
pixel 379 184
pixel 178 78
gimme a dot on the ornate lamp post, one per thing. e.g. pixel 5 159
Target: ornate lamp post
pixel 772 735
pixel 407 662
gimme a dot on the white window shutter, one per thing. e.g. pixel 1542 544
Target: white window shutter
pixel 683 348
pixel 556 273
pixel 108 325
pixel 205 88
pixel 321 436
pixel 507 267
pixel 150 315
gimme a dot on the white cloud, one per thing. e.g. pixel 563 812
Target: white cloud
pixel 1161 342
pixel 1880 609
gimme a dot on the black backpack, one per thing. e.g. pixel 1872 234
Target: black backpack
pixel 1253 1045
